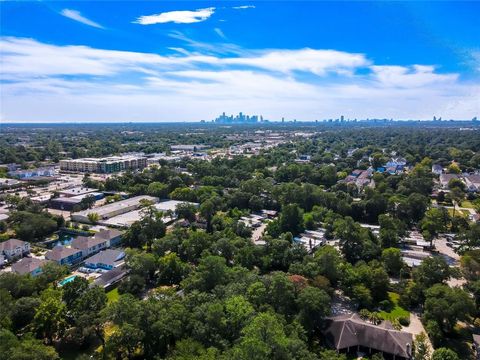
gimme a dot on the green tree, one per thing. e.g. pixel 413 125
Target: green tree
pixel 125 341
pixel 445 354
pixel 88 201
pixel 88 313
pixel 207 210
pixel 186 211
pixel 329 263
pixel 238 312
pixel 211 271
pixel 281 293
pixel 93 217
pixel 362 296
pixel 72 290
pixel 314 305
pixel 453 168
pixel 141 263
pixel 291 219
pixel 446 306
pixel 392 258
pixel 265 338
pixel 23 312
pixel 433 270
pixel 32 349
pixel 157 189
pixel 434 221
pixel 50 316
pixel 171 270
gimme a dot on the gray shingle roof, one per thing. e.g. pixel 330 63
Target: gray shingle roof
pixel 110 277
pixel 83 242
pixel 108 234
pixel 60 252
pixel 11 244
pixel 27 265
pixel 349 331
pixel 108 257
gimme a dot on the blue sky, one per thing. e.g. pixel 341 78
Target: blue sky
pixel 187 61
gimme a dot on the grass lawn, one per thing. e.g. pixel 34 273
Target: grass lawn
pixel 465 212
pixel 397 311
pixel 457 212
pixel 467 204
pixel 113 295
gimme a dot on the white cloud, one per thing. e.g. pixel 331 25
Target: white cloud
pixel 409 77
pixel 178 17
pixel 75 15
pixel 243 7
pixel 78 83
pixel 318 62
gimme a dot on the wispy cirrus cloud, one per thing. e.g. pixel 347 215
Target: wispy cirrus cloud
pixel 178 17
pixel 243 7
pixel 77 16
pixel 81 83
pixel 220 33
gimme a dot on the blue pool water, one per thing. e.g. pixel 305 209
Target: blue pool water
pixel 63 239
pixel 67 280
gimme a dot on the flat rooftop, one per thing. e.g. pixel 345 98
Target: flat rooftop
pixel 172 205
pixel 113 207
pixel 128 218
pixel 77 191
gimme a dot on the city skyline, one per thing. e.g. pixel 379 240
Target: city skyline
pixel 188 61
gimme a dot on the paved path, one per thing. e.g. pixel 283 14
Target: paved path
pixel 258 232
pixel 416 327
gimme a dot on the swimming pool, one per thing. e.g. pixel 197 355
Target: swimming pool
pixel 67 280
pixel 63 239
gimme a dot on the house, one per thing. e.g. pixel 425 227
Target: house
pixel 32 266
pixel 346 332
pixel 112 236
pixel 64 256
pixel 111 277
pixel 269 213
pixel 445 179
pixel 437 169
pixel 303 159
pixel 399 161
pixel 311 239
pixel 472 182
pixel 89 245
pixel 107 259
pixel 14 248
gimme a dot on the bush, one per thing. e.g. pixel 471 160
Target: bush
pixel 386 305
pixel 404 321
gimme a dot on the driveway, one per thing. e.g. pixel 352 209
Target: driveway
pixel 258 232
pixel 450 255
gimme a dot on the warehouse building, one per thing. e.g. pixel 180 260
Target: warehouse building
pixel 110 210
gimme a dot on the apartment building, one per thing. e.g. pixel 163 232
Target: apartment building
pixel 105 165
